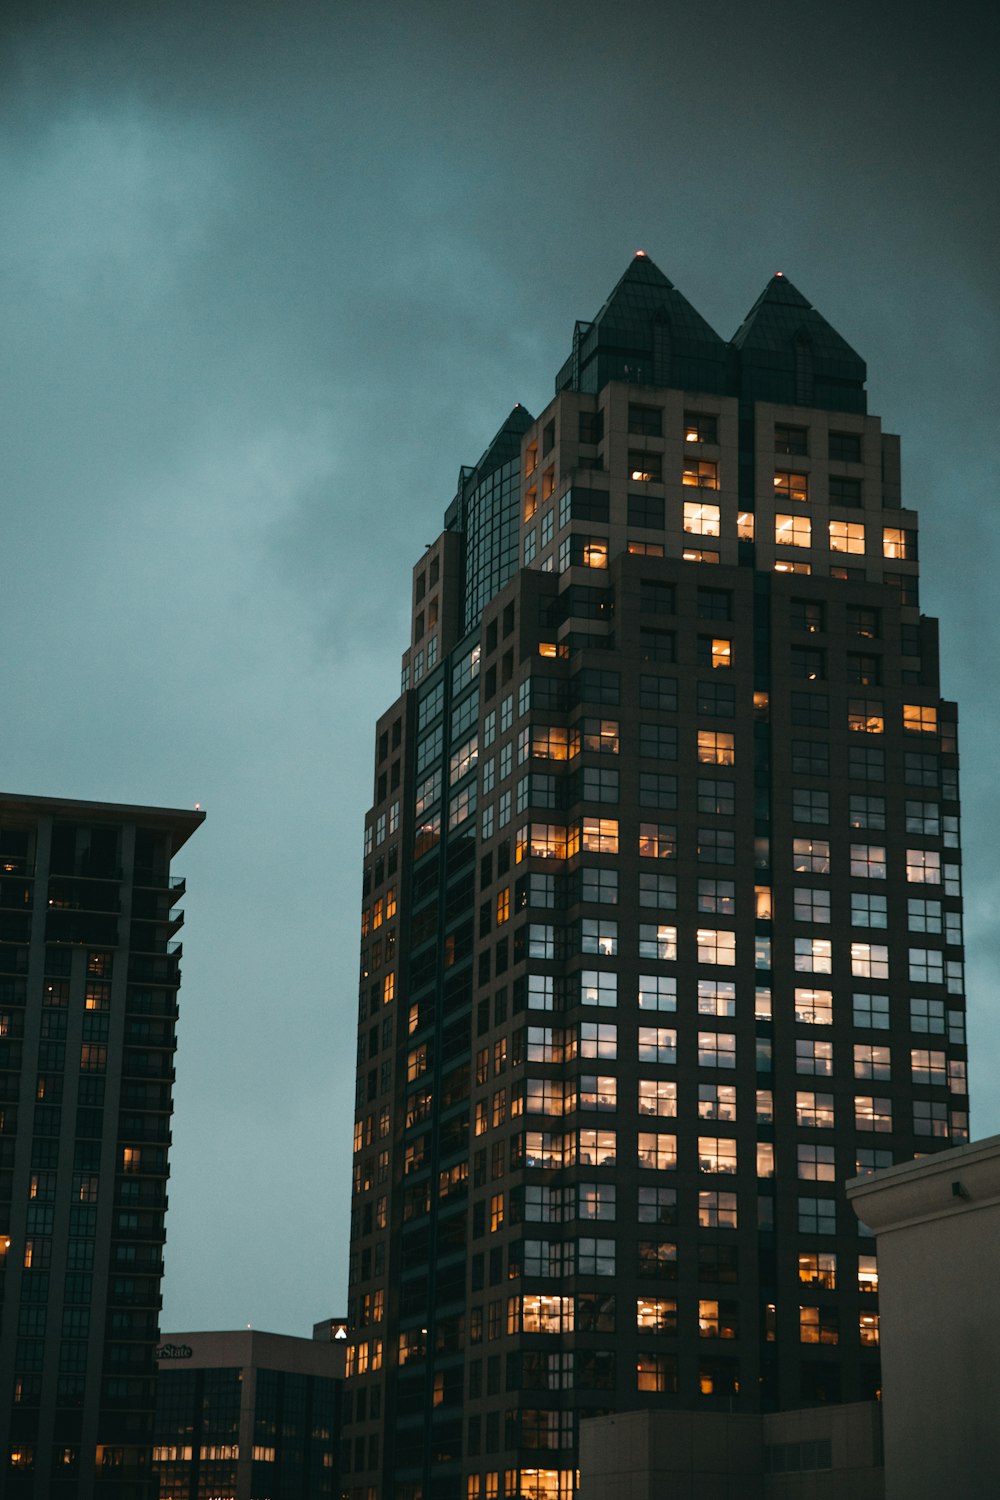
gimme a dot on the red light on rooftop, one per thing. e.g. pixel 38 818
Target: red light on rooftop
pixel 640 252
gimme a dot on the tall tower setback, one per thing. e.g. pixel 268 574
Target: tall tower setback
pixel 89 974
pixel 661 925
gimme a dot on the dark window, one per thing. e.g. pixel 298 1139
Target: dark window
pixel 646 420
pixel 591 426
pixel 864 670
pixel 593 686
pixel 658 693
pixel 584 505
pixel 806 614
pixel 548 438
pixel 794 440
pixel 716 797
pixel 845 447
pixel 716 846
pixel 658 741
pixel 646 510
pixel 920 769
pixel 808 662
pixel 656 598
pixel 905 584
pixel 717 699
pixel 715 604
pixel 863 621
pixel 811 710
pixel 656 790
pixel 866 763
pixel 844 491
pixel 657 645
pixel 811 757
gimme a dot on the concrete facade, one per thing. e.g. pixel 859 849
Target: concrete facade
pixel 937 1223
pixel 821 1453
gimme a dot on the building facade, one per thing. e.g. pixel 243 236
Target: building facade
pixel 661 923
pixel 246 1415
pixel 937 1227
pixel 89 974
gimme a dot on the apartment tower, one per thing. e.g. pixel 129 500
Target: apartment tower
pixel 89 972
pixel 661 920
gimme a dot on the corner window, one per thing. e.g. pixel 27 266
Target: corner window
pixel 790 486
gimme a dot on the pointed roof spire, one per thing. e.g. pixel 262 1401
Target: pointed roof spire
pixel 646 332
pixel 790 354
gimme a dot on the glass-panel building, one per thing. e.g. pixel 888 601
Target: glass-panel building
pixel 662 911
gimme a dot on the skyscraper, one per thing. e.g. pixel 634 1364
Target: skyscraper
pixel 89 972
pixel 661 927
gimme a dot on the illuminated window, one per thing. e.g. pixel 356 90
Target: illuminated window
pixel 656 1372
pixel 645 468
pixel 814 955
pixel 715 947
pixel 716 747
pixel 716 1154
pixel 811 856
pixel 917 719
pixel 868 1271
pixel 716 1049
pixel 702 520
pixel 700 428
pixel 717 1320
pixel 816 1163
pixel 745 526
pixel 818 1268
pixel 657 1044
pixel 847 536
pixel 717 1101
pixel 657 841
pixel 715 651
pixel 868 1328
pixel 899 542
pixel 656 1151
pixel 702 473
pixel 928 1066
pixel 923 866
pixel 865 716
pixel 792 531
pixel 657 992
pixel 872 1113
pixel 131 1159
pixel 814 1057
pixel 599 835
pixel 657 1096
pixel 717 1210
pixel 870 960
pixel 656 1314
pixel 818 1325
pixel 815 1110
pixel 814 1007
pixel 868 861
pixel 790 486
pixel 871 1062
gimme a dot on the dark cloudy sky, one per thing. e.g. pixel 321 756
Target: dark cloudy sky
pixel 269 273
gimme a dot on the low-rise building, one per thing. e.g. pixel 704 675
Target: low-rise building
pixel 245 1413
